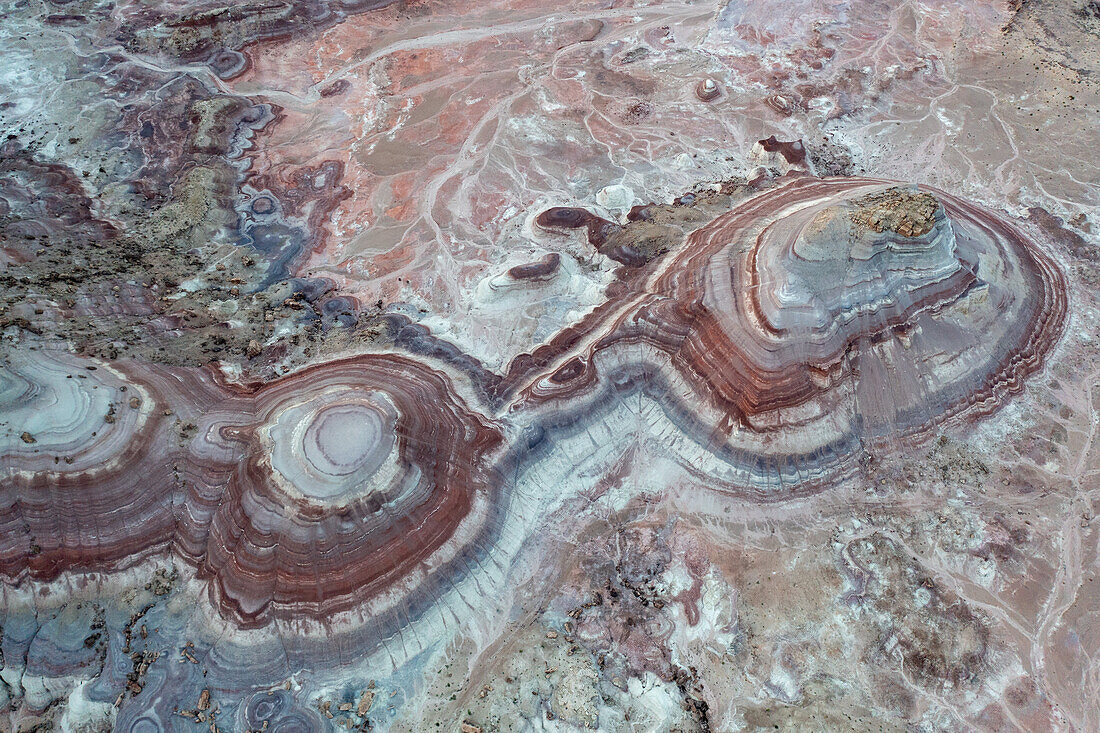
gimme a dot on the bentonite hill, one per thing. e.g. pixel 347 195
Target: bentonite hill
pixel 716 365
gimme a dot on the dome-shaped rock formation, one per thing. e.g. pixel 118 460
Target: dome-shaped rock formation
pixel 354 478
pixel 825 318
pixel 358 481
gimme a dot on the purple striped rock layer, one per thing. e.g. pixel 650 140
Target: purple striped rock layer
pixel 825 318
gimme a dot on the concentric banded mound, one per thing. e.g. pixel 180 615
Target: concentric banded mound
pixel 828 317
pixel 358 477
pixel 80 445
pixel 362 482
pixel 330 449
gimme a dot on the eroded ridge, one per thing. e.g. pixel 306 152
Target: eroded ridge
pixel 358 482
pixel 824 319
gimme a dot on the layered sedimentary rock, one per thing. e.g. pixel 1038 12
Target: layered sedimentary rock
pixel 541 269
pixel 823 320
pixel 213 35
pixel 336 486
pixel 355 478
pixel 86 473
pixel 309 421
pixel 789 338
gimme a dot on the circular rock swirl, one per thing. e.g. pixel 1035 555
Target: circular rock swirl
pixel 362 482
pixel 354 474
pixel 827 317
pixel 79 444
pixel 329 449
